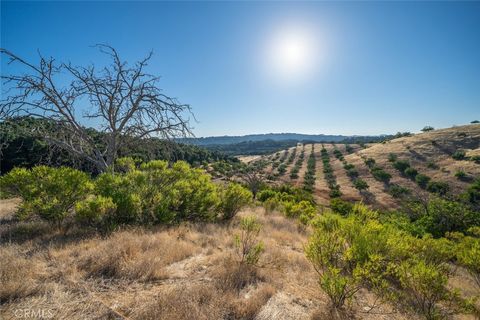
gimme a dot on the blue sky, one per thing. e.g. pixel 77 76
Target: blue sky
pixel 377 67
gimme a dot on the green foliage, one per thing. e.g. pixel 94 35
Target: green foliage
pixel 50 193
pixel 459 155
pixel 360 184
pixel 327 251
pixel 425 284
pixel 439 187
pixel 352 173
pixel 397 191
pixel 460 175
pixel 96 211
pixel 411 173
pixel 341 206
pixel 442 216
pixel 309 178
pixel 422 180
pixel 370 162
pixel 427 128
pixel 233 198
pixel 302 210
pixel 329 176
pixel 475 158
pixel 468 256
pixel 125 164
pixel 473 193
pixel 401 165
pixel 359 250
pixel 293 202
pixel 24 147
pixel 381 175
pixel 248 248
pixel 157 193
pixel 392 157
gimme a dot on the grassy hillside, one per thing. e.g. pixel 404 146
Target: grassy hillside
pixel 436 154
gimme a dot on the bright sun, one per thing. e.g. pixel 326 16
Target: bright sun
pixel 292 54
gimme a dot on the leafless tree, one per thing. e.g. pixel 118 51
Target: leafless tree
pixel 124 101
pixel 253 180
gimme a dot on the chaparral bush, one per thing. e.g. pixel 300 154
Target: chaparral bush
pixel 50 193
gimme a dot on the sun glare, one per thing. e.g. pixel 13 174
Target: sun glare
pixel 292 54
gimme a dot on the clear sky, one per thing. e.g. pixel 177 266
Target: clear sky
pixel 259 67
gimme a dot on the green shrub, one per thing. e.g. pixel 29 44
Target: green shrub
pixel 422 180
pixel 352 173
pixel 459 155
pixel 303 210
pixel 473 192
pixel 369 162
pixel 397 191
pixel 425 286
pixel 401 165
pixel 475 159
pixel 50 193
pixel 125 164
pixel 392 157
pixel 360 184
pixel 157 193
pixel 468 256
pixel 438 187
pixel 411 172
pixel 341 206
pixel 233 198
pixel 327 252
pixel 95 211
pixel 248 248
pixel 428 128
pixel 461 175
pixel 381 175
pixel 444 216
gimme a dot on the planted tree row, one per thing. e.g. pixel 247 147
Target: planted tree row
pixel 297 166
pixel 309 178
pixel 423 181
pixel 358 183
pixel 328 174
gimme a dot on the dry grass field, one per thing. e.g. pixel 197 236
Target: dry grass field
pixel 185 272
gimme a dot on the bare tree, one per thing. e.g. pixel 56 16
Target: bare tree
pixel 123 101
pixel 253 180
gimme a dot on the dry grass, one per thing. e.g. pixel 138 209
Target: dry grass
pixel 185 272
pixel 20 275
pixel 133 256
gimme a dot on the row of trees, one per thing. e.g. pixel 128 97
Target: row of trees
pixel 309 178
pixel 298 164
pixel 358 183
pixel 425 182
pixel 328 174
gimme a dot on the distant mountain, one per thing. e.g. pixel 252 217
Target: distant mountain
pixel 223 140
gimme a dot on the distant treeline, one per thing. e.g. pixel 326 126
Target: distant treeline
pixel 276 137
pixel 20 146
pixel 271 146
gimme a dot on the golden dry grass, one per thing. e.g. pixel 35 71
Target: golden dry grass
pixel 184 272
